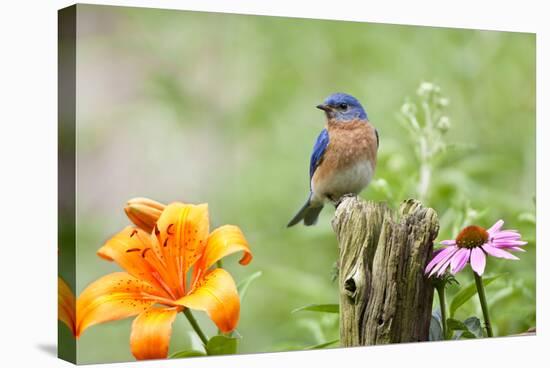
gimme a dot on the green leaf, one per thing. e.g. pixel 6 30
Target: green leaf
pixel 323 345
pixel 326 308
pixel 242 287
pixel 452 326
pixel 469 291
pixel 458 326
pixel 222 345
pixel 466 329
pixel 455 324
pixel 186 354
pixel 474 326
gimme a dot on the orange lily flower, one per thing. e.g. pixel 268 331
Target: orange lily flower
pixel 66 305
pixel 167 270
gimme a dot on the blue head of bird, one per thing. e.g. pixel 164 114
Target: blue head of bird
pixel 343 107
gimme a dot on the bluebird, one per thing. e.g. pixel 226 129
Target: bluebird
pixel 343 158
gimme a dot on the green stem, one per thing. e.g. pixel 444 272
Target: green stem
pixel 443 308
pixel 195 325
pixel 483 302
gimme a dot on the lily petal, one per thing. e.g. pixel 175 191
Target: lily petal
pixel 128 249
pixel 66 309
pixel 183 232
pixel 113 297
pixel 151 332
pixel 217 295
pixel 224 241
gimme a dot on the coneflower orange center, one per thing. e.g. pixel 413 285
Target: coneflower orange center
pixel 472 237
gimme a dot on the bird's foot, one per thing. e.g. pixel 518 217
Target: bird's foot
pixel 337 202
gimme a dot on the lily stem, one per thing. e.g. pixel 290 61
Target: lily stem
pixel 483 302
pixel 441 295
pixel 195 325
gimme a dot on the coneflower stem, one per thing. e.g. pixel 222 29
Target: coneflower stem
pixel 195 325
pixel 483 302
pixel 441 295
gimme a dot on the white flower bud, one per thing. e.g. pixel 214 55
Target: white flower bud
pixel 443 101
pixel 425 88
pixel 408 109
pixel 444 124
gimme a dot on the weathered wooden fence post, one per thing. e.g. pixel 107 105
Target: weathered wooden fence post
pixel 384 295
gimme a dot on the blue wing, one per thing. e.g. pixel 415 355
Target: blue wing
pixel 318 150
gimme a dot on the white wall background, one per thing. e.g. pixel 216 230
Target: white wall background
pixel 28 156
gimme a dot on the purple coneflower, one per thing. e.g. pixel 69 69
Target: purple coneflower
pixel 472 244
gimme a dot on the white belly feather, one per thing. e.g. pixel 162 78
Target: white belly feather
pixel 352 179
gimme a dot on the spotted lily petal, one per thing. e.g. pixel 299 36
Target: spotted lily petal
pixel 113 297
pixel 151 332
pixel 131 249
pixel 217 295
pixel 182 232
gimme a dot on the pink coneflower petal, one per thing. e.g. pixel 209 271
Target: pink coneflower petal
pixel 448 242
pixel 440 257
pixel 507 234
pixel 516 249
pixel 442 265
pixel 507 243
pixel 474 244
pixel 496 227
pixel 459 260
pixel 436 252
pixel 477 261
pixel 497 252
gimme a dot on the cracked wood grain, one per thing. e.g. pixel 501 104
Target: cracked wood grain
pixel 384 295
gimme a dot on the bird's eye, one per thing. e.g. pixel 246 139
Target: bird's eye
pixel 343 106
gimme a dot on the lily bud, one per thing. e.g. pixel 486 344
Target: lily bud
pixel 144 212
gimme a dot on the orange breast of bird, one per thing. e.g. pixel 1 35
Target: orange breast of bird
pixel 348 143
pixel 351 145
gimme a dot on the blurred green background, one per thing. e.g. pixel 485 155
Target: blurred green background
pixel 219 108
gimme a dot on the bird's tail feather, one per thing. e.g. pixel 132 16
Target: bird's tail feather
pixel 308 213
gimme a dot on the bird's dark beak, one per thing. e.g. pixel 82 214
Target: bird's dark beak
pixel 324 107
